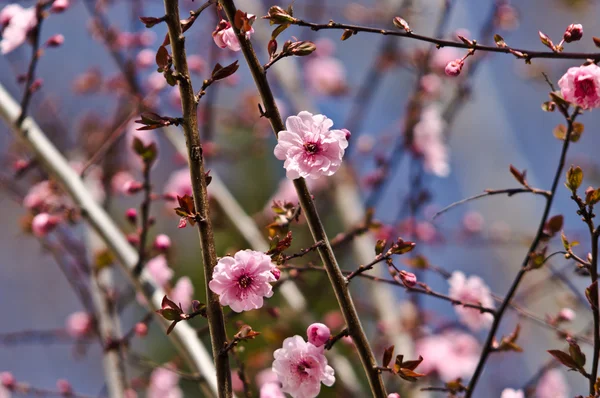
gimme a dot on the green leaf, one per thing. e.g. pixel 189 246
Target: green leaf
pixel 574 178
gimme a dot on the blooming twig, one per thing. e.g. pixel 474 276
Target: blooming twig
pixel 335 275
pixel 207 244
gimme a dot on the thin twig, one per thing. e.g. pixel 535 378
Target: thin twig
pixel 487 348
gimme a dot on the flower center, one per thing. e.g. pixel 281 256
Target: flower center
pixel 311 147
pixel 245 281
pixel 302 366
pixel 586 87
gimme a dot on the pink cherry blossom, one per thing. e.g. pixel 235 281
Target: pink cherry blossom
pixel 7 380
pixel 183 292
pixel 79 324
pixel 450 355
pixel 574 32
pixel 43 223
pixel 301 367
pixel 141 329
pixel 566 315
pixel 179 184
pixel 552 385
pixel 145 59
pixel 318 334
pixel 266 376
pixel 271 390
pixel 471 290
pixel 325 75
pixel 18 22
pixel 243 280
pixel 581 86
pixel 159 270
pixel 164 384
pixel 429 141
pixel 225 37
pixel 394 395
pixel 442 57
pixel 510 393
pixel 309 148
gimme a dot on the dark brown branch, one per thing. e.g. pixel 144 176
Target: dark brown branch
pixel 198 178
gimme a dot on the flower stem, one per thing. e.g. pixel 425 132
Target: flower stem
pixel 488 347
pixel 207 244
pixel 336 277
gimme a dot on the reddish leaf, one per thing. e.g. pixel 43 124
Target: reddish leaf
pixel 387 356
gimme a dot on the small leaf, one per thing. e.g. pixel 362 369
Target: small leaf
pixel 555 224
pixel 576 353
pixel 162 58
pixel 596 41
pixel 347 34
pixel 221 72
pixel 574 178
pixel 278 30
pixel 379 246
pixel 592 196
pixel 548 106
pixel 519 176
pixel 560 132
pixel 499 40
pixel 577 131
pixel 563 358
pixel 387 356
pixel 412 365
pixel 546 40
pixel 401 24
pixel 591 293
pixel 402 247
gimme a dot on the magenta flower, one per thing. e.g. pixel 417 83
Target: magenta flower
pixel 318 334
pixel 453 68
pixel 451 355
pixel 243 280
pixel 581 86
pixel 18 22
pixel 472 290
pixel 309 148
pixel 164 383
pixel 225 37
pixel 552 385
pixel 301 367
pixel 43 223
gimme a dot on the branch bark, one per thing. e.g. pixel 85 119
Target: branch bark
pixel 337 279
pixel 189 107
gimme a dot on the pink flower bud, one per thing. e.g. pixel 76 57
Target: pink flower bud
pixel 276 273
pixel 79 324
pixel 453 68
pixel 162 243
pixel 393 395
pixel 131 215
pixel 55 41
pixel 43 223
pixel 59 6
pixel 8 380
pixel 574 32
pixel 141 329
pixel 566 315
pixel 133 239
pixel 318 334
pixel 132 187
pixel 408 278
pixel 64 387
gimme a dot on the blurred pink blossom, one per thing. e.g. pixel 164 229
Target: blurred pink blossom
pixel 159 270
pixel 581 86
pixel 183 292
pixel 286 192
pixel 179 184
pixel 510 393
pixel 120 180
pixel 18 22
pixel 566 315
pixel 225 37
pixel 59 6
pixel 237 384
pixel 472 290
pixel 271 390
pixel 324 74
pixel 7 379
pixel 43 223
pixel 552 385
pixel 431 84
pixel 429 141
pixel 473 222
pixel 394 395
pixel 309 148
pixel 301 367
pixel 145 59
pixel 318 334
pixel 266 376
pixel 451 355
pixel 162 242
pixel 79 324
pixel 243 280
pixel 164 384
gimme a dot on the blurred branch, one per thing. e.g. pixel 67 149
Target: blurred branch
pixel 184 338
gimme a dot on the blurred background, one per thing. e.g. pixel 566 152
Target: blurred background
pixel 376 86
